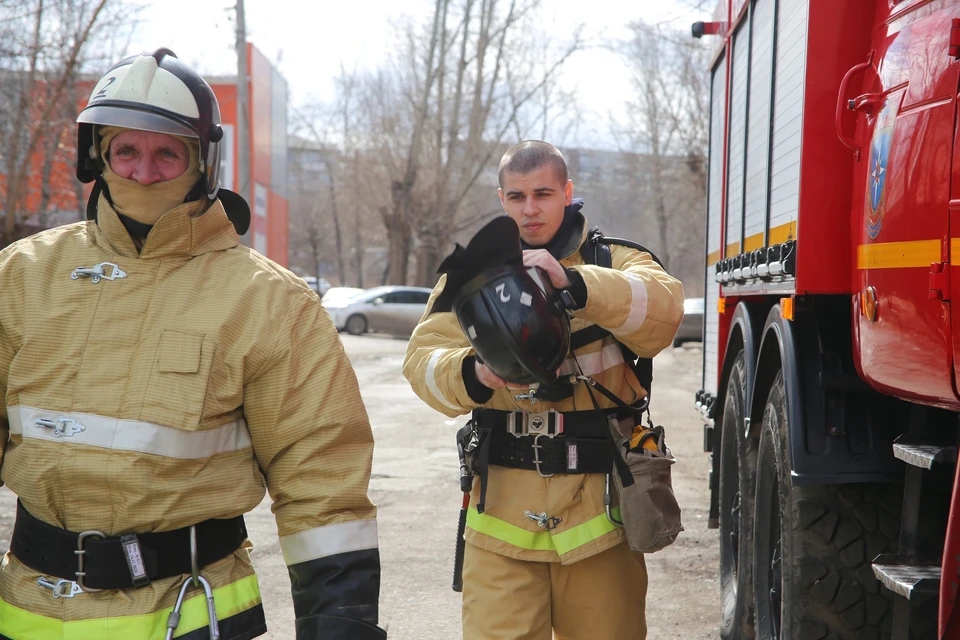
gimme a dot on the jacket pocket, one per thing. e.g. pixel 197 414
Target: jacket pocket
pixel 178 382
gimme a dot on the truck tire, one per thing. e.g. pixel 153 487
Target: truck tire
pixel 736 510
pixel 813 547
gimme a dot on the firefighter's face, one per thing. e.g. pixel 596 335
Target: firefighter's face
pixel 535 201
pixel 148 157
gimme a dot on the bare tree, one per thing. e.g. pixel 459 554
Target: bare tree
pixel 421 135
pixel 469 84
pixel 45 48
pixel 666 132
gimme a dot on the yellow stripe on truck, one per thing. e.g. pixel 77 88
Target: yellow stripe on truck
pixel 229 600
pixel 751 243
pixel 784 232
pixel 955 251
pixel 898 255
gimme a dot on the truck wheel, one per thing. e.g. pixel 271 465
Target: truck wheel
pixel 813 547
pixel 736 511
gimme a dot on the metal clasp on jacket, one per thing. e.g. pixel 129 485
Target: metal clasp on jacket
pixel 61 588
pixel 61 426
pixel 98 272
pixel 543 520
pixel 524 423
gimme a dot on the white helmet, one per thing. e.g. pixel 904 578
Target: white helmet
pixel 156 92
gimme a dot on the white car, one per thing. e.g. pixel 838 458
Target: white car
pixel 392 309
pixel 321 286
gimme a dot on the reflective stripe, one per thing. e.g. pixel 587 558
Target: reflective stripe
pixel 509 533
pixel 638 305
pixel 589 531
pixel 330 540
pixel 132 435
pixel 230 600
pixel 432 380
pixel 562 542
pixel 593 363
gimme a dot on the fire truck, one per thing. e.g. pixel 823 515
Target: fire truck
pixel 831 346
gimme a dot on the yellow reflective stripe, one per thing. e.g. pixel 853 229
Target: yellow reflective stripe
pixel 898 255
pixel 562 542
pixel 567 541
pixel 509 533
pixel 230 600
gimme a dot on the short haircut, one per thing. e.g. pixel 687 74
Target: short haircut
pixel 529 156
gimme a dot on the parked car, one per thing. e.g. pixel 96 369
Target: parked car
pixel 390 309
pixel 336 295
pixel 691 329
pixel 321 286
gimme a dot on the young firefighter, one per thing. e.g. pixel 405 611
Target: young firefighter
pixel 543 558
pixel 155 379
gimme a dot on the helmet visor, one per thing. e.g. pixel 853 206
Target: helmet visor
pixel 132 118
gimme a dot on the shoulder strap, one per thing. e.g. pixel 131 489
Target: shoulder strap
pixel 596 250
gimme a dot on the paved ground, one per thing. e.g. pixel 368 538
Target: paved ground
pixel 416 487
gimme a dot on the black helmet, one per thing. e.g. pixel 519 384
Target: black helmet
pixel 515 322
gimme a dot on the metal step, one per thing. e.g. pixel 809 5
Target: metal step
pixel 906 576
pixel 924 455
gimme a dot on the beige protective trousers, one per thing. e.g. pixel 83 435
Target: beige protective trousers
pixel 599 598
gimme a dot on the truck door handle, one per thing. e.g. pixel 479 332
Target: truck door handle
pixel 843 103
pixel 866 102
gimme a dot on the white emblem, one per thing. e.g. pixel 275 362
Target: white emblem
pixel 526 299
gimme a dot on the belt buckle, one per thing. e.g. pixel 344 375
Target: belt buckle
pixel 536 454
pixel 540 423
pixel 517 424
pixel 81 552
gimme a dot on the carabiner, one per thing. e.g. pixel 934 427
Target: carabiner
pixel 173 620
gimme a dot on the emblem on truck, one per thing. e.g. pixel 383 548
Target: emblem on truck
pixel 877 170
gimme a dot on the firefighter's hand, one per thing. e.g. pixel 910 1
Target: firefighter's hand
pixel 542 258
pixel 491 380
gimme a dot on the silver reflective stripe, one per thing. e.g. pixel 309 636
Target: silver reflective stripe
pixel 594 363
pixel 638 306
pixel 432 380
pixel 132 435
pixel 330 540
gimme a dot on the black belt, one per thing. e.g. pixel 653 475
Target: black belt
pixel 120 562
pixel 551 455
pixel 584 424
pixel 583 448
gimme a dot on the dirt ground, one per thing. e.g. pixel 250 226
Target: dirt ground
pixel 415 484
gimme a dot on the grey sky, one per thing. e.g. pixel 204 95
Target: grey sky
pixel 308 41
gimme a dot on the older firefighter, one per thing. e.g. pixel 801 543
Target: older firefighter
pixel 155 379
pixel 543 557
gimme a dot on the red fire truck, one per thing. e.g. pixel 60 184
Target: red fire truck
pixel 832 349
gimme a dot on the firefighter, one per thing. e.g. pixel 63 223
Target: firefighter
pixel 155 379
pixel 542 557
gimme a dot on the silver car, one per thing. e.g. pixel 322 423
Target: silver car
pixel 691 329
pixel 391 309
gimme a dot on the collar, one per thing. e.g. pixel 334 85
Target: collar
pixel 177 234
pixel 570 236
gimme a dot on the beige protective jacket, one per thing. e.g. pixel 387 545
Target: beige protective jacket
pixel 640 304
pixel 201 376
